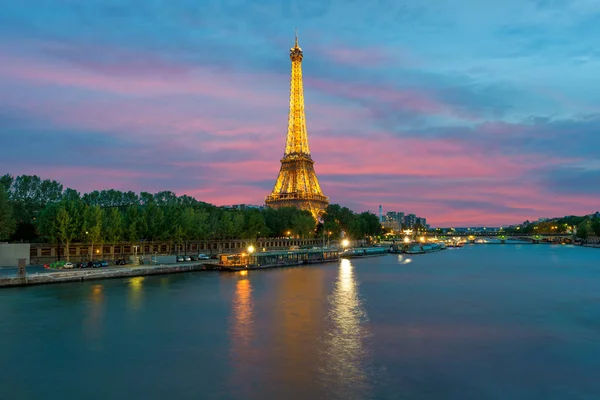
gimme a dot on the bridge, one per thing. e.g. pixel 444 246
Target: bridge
pixel 503 237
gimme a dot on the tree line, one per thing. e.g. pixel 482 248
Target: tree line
pixel 36 210
pixel 582 226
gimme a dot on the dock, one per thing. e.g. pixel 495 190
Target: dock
pixel 82 275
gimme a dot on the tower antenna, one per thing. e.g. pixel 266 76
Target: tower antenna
pixel 296 31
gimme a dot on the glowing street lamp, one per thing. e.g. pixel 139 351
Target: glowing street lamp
pixel 345 243
pixel 251 249
pixel 406 239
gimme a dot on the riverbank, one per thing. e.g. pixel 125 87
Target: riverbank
pixel 77 275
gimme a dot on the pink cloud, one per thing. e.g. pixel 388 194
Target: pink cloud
pixel 366 57
pixel 403 99
pixel 242 117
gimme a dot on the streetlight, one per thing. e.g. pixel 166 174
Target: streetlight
pixel 345 243
pixel 328 237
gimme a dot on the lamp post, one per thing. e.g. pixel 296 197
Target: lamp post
pixel 251 251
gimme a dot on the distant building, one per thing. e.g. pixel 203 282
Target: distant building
pixel 410 220
pixel 244 207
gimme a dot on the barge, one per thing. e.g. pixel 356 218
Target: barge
pixel 275 259
pixel 364 252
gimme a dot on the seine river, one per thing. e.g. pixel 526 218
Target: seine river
pixel 481 322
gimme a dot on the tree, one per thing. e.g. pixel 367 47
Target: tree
pixel 7 222
pixel 583 230
pixel 303 224
pixel 595 226
pixel 254 224
pixel 113 226
pixel 68 223
pixel 6 182
pixel 92 226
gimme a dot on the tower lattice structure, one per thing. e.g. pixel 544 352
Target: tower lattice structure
pixel 297 184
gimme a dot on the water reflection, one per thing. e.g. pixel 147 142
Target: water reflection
pixel 93 324
pixel 402 260
pixel 135 294
pixel 242 333
pixel 345 369
pixel 242 313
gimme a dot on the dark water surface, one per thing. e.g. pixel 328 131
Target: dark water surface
pixel 481 322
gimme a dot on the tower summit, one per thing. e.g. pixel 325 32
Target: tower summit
pixel 297 184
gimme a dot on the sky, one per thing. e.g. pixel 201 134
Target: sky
pixel 465 112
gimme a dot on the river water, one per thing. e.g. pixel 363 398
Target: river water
pixel 480 322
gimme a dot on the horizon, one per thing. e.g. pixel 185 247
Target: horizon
pixel 464 114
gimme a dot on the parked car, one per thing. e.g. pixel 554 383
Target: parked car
pixel 194 258
pixel 203 257
pixel 187 258
pixel 81 264
pixel 68 265
pixel 120 261
pixel 180 259
pixel 103 264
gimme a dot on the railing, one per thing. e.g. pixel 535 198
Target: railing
pixel 296 196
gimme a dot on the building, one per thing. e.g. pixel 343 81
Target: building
pixel 297 184
pixel 410 220
pixel 244 207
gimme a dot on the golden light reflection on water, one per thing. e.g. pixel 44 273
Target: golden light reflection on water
pixel 242 311
pixel 93 324
pixel 135 292
pixel 241 332
pixel 345 338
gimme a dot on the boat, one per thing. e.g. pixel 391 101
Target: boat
pixel 423 248
pixel 364 252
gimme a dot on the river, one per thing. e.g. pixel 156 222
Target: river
pixel 480 322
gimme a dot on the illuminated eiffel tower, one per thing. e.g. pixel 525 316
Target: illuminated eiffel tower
pixel 297 184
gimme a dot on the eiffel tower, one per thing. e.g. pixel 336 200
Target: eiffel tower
pixel 297 184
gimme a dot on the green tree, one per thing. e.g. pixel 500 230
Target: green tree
pixel 595 226
pixel 6 182
pixel 68 223
pixel 113 226
pixel 134 224
pixel 303 224
pixel 93 217
pixel 583 230
pixel 254 225
pixel 7 222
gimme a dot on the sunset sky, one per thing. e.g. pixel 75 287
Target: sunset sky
pixel 466 112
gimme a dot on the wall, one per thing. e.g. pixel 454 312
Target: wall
pixel 11 252
pixel 41 253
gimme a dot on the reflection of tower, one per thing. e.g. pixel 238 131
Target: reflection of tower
pixel 345 354
pixel 297 331
pixel 297 184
